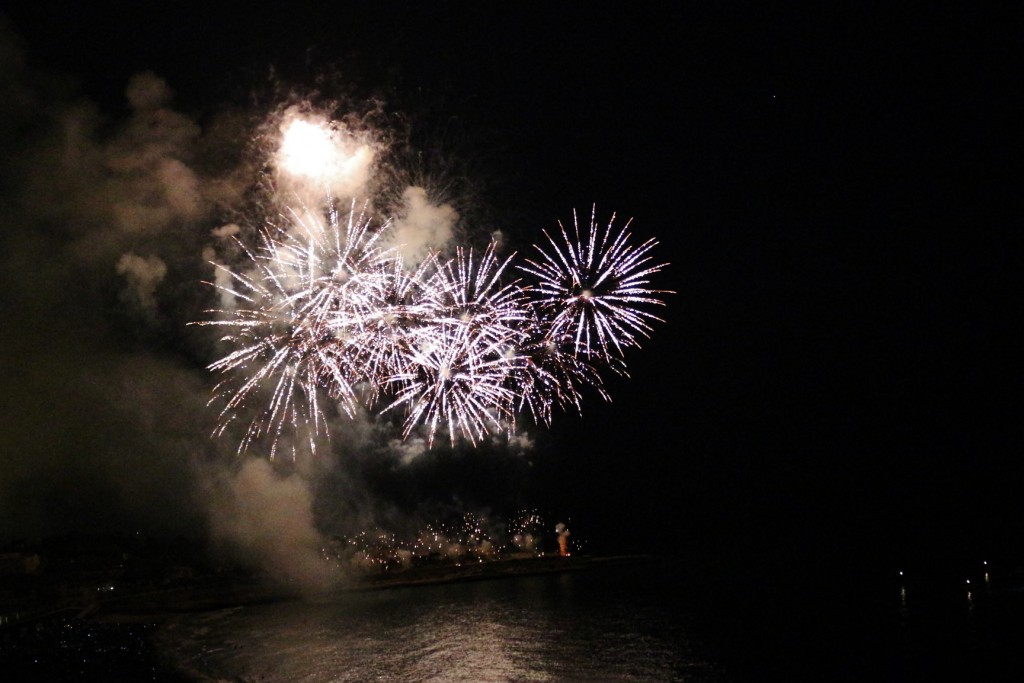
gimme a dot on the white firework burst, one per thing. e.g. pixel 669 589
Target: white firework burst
pixel 592 288
pixel 323 315
pixel 310 288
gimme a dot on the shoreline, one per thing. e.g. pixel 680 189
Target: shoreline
pixel 239 592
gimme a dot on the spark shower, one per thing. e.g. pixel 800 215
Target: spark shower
pixel 329 312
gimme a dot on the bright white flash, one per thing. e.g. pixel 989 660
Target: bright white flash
pixel 319 155
pixel 307 149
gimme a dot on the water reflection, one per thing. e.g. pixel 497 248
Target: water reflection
pixel 564 627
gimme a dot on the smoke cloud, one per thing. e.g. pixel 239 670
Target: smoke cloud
pixel 142 275
pixel 267 518
pixel 422 227
pixel 99 429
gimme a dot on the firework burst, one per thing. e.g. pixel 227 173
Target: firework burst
pixel 459 373
pixel 592 287
pixel 383 343
pixel 548 378
pixel 311 287
pixel 326 316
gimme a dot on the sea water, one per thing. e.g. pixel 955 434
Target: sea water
pixel 594 625
pixel 646 622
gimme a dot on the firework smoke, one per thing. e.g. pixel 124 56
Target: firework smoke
pixel 422 228
pixel 99 419
pixel 259 515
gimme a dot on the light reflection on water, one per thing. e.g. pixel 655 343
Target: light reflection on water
pixel 589 626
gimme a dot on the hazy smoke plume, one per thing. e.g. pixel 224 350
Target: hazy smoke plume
pixel 261 515
pixel 142 276
pixel 421 226
pixel 99 429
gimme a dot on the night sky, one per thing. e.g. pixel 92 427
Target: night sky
pixel 836 191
